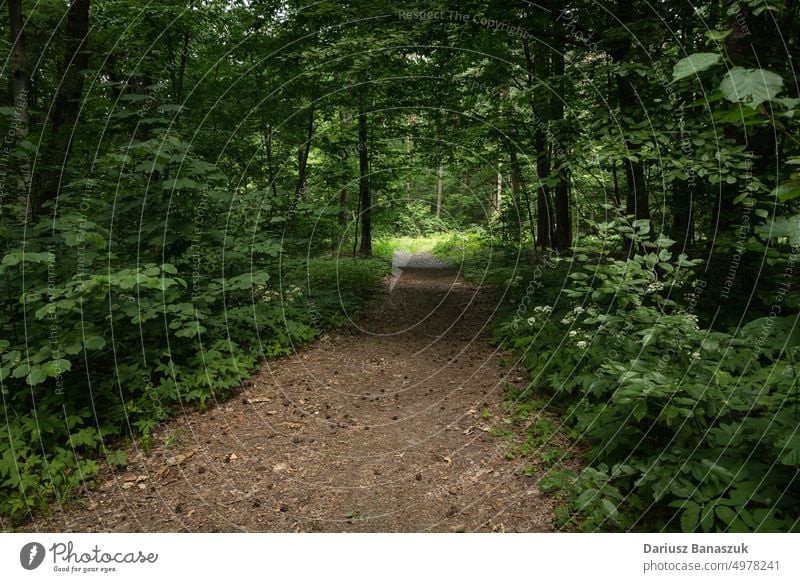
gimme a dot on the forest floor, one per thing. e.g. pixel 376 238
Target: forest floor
pixel 383 425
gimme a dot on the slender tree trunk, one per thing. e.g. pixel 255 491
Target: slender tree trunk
pixel 19 67
pixel 271 177
pixel 409 158
pixel 19 90
pixel 563 217
pixel 363 181
pixel 563 238
pixel 516 191
pixel 302 166
pixel 439 188
pixel 682 229
pixel 498 197
pixel 538 69
pixel 181 70
pixel 344 121
pixel 64 114
pixel 637 199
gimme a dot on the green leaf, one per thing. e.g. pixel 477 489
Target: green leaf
pixel 690 518
pixel 726 514
pixel 787 191
pixel 751 86
pixel 94 342
pixel 717 35
pixel 37 376
pixel 694 64
pixel 784 226
pixel 640 410
pixel 609 509
pixel 56 367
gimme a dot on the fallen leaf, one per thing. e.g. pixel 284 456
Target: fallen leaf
pixel 258 400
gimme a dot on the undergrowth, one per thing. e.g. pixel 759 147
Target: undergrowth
pixel 685 428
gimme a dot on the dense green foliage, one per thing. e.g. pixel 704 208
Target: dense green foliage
pixel 675 416
pixel 188 187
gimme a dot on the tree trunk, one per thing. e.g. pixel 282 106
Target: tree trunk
pixel 637 202
pixel 439 188
pixel 682 229
pixel 409 160
pixel 64 114
pixel 563 217
pixel 19 90
pixel 363 181
pixel 19 67
pixel 498 198
pixel 517 187
pixel 181 71
pixel 271 177
pixel 344 121
pixel 544 220
pixel 302 166
pixel 563 238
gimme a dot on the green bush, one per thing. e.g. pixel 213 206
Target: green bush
pixel 686 428
pixel 104 339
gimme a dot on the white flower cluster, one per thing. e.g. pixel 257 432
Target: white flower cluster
pixel 293 292
pixel 268 295
pixel 653 287
pixel 581 345
pixel 542 309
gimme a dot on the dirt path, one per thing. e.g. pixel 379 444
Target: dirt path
pixel 380 427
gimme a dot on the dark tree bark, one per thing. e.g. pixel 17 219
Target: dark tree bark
pixel 271 177
pixel 302 167
pixel 682 229
pixel 439 190
pixel 615 176
pixel 563 222
pixel 363 181
pixel 539 68
pixel 19 67
pixel 344 120
pixel 636 200
pixel 182 69
pixel 64 114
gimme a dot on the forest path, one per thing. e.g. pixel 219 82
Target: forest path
pixel 381 426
